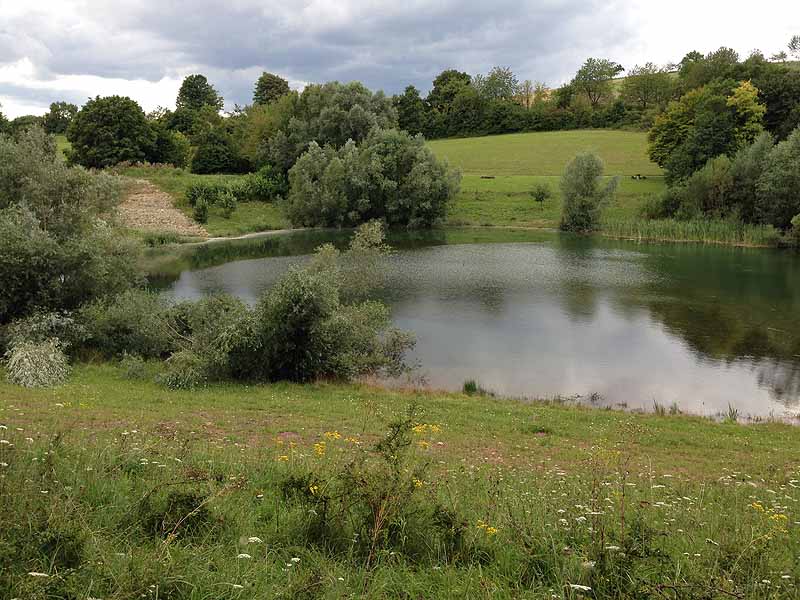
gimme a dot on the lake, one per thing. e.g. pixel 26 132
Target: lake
pixel 540 314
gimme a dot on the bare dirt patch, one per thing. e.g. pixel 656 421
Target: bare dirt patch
pixel 149 209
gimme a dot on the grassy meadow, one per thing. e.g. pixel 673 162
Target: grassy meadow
pixel 117 488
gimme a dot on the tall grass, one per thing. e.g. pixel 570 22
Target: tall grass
pixel 703 231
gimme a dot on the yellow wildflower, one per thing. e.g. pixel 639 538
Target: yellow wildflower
pixel 283 457
pixel 333 435
pixel 418 483
pixel 491 531
pixel 319 448
pixel 423 444
pixel 419 428
pixel 313 489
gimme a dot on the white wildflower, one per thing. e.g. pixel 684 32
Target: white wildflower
pixel 254 540
pixel 243 555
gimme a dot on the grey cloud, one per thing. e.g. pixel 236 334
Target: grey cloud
pixel 386 48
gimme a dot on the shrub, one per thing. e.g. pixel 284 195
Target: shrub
pixel 301 329
pixel 184 370
pixel 110 130
pixel 134 322
pixel 42 326
pixel 133 366
pixel 392 176
pixel 169 147
pixel 200 212
pixel 584 194
pixel 41 272
pixel 707 191
pixel 541 192
pixel 208 191
pixel 214 153
pixel 37 364
pixel 227 202
pixel 262 186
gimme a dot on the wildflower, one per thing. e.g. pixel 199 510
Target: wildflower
pixel 313 489
pixel 319 448
pixel 254 540
pixel 295 560
pixel 423 444
pixel 491 531
pixel 243 555
pixel 419 428
pixel 333 435
pixel 37 574
pixel 434 428
pixel 580 588
pixel 418 483
pixel 283 458
pixel 481 524
pixel 236 586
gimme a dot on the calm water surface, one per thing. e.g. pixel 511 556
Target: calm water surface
pixel 539 314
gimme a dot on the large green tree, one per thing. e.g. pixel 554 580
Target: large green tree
pixel 269 88
pixel 499 84
pixel 109 130
pixel 196 92
pixel 446 87
pixel 594 77
pixel 647 86
pixel 411 111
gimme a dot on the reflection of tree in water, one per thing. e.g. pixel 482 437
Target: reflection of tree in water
pixel 732 306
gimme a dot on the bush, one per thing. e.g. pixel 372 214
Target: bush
pixel 262 186
pixel 134 322
pixel 227 202
pixel 583 193
pixel 42 326
pixel 200 212
pixel 301 330
pixel 208 191
pixel 37 364
pixel 41 272
pixel 541 192
pixel 392 176
pixel 108 131
pixel 214 153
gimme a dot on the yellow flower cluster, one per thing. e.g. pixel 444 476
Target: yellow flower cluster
pixel 489 530
pixel 314 489
pixel 319 448
pixel 418 483
pixel 423 427
pixel 283 458
pixel 333 435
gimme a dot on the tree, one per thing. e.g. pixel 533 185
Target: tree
pixel 779 56
pixel 594 79
pixel 57 120
pixel 392 176
pixel 23 123
pixel 109 130
pixel 195 92
pixel 499 84
pixel 411 111
pixel 3 122
pixel 697 70
pixel 779 185
pixel 719 118
pixel 214 153
pixel 794 46
pixel 779 89
pixel 584 194
pixel 269 88
pixel 446 87
pixel 647 85
pixel 526 93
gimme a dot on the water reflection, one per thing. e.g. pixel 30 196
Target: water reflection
pixel 546 315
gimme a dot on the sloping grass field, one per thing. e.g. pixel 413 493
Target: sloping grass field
pixel 498 173
pixel 116 488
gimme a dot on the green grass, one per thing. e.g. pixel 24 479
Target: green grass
pixel 247 218
pixel 62 145
pixel 630 505
pixel 506 201
pixel 517 161
pixel 547 153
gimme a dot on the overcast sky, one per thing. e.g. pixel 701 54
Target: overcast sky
pixel 73 49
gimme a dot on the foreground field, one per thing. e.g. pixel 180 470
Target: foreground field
pixel 117 488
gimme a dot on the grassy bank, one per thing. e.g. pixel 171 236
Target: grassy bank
pixel 120 489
